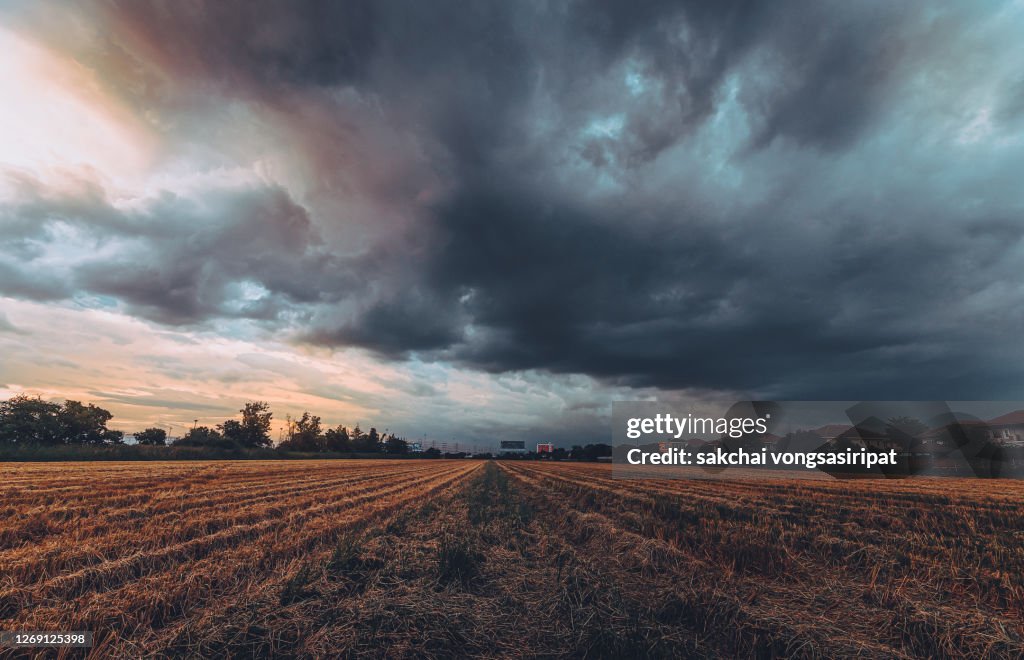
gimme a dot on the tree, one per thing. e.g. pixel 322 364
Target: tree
pixel 432 452
pixel 28 420
pixel 256 417
pixel 396 445
pixel 899 427
pixel 590 452
pixel 337 439
pixel 86 425
pixel 232 430
pixel 254 429
pixel 365 442
pixel 152 436
pixel 32 421
pixel 304 434
pixel 204 436
pixel 802 441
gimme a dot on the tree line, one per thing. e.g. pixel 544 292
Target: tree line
pixel 27 422
pixel 32 421
pixel 302 434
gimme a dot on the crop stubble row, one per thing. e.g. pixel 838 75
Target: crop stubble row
pixel 548 558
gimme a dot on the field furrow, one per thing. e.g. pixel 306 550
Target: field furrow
pixel 442 558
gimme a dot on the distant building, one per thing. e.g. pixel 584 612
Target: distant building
pixel 545 448
pixel 830 431
pixel 1007 429
pixel 871 439
pixel 949 436
pixel 513 446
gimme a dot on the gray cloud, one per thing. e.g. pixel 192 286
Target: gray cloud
pixel 779 198
pixel 241 252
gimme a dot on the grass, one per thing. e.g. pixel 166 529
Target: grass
pixel 457 562
pixel 296 587
pixel 347 555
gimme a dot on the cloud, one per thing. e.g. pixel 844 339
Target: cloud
pixel 789 199
pixel 246 251
pixel 7 326
pixel 148 376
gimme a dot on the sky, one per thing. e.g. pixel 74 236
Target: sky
pixel 486 221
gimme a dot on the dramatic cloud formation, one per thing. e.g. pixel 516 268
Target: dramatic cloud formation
pixel 784 199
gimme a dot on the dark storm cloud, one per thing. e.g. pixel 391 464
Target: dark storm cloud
pixel 683 303
pixel 826 67
pixel 729 195
pixel 411 320
pixel 259 45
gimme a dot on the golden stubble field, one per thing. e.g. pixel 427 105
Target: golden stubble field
pixel 470 558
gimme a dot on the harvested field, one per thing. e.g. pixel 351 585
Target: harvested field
pixel 441 558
